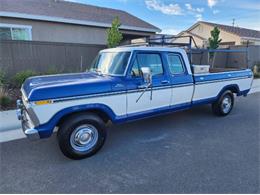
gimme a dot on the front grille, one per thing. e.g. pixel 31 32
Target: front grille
pixel 27 120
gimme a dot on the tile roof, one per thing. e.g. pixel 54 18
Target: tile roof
pixel 242 32
pixel 74 11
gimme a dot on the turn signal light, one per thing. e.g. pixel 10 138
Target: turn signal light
pixel 43 102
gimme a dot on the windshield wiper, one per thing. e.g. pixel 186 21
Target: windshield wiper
pixel 97 71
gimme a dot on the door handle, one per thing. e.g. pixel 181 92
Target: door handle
pixel 165 82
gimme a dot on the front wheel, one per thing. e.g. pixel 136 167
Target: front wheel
pixel 224 104
pixel 81 135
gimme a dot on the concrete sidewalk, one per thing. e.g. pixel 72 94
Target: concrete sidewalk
pixel 255 87
pixel 8 119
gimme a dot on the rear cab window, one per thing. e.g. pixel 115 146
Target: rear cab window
pixel 176 65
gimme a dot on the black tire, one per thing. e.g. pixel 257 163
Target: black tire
pixel 75 128
pixel 219 108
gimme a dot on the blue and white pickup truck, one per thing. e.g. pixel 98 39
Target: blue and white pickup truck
pixel 124 84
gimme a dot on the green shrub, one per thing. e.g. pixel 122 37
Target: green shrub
pixel 20 77
pixel 257 75
pixel 5 101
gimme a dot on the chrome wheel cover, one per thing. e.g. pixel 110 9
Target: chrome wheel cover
pixel 84 137
pixel 226 104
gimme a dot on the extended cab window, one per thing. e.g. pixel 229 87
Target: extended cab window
pixel 153 61
pixel 175 64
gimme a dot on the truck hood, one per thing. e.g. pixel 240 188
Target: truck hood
pixel 65 85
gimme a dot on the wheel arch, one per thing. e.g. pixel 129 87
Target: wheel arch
pixel 103 111
pixel 234 88
pixel 99 112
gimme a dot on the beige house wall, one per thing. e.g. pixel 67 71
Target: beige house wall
pixel 199 42
pixel 204 30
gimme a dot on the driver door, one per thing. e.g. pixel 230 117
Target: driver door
pixel 154 98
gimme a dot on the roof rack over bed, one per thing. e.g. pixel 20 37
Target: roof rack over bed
pixel 190 46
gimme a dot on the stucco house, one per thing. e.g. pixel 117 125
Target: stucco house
pixel 63 21
pixel 230 35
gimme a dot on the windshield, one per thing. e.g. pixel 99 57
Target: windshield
pixel 112 63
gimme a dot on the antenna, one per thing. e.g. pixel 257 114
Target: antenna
pixel 233 23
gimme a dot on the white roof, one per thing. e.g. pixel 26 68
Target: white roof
pixel 144 48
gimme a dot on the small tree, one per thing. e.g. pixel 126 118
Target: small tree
pixel 214 42
pixel 114 36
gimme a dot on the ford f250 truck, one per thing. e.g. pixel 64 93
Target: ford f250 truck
pixel 124 84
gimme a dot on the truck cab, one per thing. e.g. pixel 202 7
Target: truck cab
pixel 123 84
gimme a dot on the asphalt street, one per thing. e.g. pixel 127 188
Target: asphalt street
pixel 185 152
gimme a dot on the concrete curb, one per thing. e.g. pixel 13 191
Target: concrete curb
pixel 10 135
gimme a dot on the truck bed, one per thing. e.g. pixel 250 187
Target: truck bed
pixel 217 74
pixel 209 85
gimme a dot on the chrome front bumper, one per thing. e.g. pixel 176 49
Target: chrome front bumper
pixel 27 124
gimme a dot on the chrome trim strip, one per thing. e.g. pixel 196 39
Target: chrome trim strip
pixel 118 93
pixel 87 96
pixel 221 80
pixel 225 72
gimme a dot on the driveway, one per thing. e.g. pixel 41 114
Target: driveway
pixel 185 152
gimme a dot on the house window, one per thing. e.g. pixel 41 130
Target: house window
pixel 15 32
pixel 247 42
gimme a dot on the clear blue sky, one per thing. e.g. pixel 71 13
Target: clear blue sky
pixel 173 16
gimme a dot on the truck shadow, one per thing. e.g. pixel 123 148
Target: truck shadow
pixel 155 127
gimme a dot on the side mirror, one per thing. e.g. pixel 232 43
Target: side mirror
pixel 147 75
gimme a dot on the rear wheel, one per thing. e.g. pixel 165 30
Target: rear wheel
pixel 224 104
pixel 81 135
